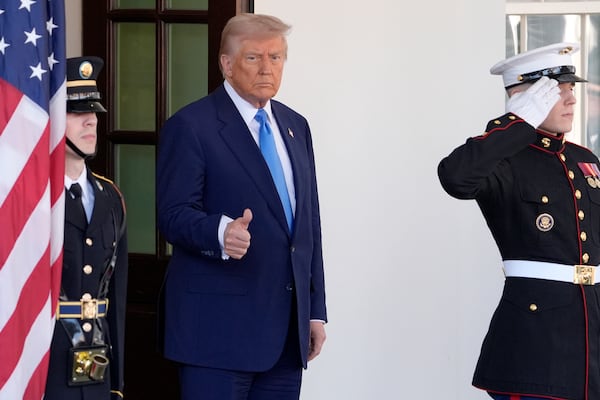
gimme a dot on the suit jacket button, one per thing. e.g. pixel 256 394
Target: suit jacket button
pixel 289 287
pixel 292 249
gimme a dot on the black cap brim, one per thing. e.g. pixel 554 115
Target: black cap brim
pixel 85 106
pixel 565 78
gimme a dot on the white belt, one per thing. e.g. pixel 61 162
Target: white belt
pixel 578 274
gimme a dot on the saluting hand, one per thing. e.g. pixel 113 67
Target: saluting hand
pixel 237 238
pixel 534 104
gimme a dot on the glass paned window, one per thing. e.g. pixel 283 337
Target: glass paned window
pixel 188 4
pixel 593 85
pixel 134 173
pixel 135 4
pixel 135 91
pixel 188 64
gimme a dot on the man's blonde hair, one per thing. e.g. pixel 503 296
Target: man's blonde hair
pixel 251 26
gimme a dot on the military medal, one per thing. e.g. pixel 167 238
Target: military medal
pixel 591 172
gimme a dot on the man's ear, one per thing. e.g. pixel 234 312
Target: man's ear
pixel 226 64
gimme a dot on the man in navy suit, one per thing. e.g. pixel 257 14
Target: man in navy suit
pixel 244 296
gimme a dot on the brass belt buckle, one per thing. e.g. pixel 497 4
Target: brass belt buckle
pixel 89 308
pixel 584 275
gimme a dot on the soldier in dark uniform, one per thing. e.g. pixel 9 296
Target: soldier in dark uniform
pixel 540 196
pixel 86 355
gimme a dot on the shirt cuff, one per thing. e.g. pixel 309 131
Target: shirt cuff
pixel 221 234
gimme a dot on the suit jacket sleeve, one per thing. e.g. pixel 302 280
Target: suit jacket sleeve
pixel 181 174
pixel 317 289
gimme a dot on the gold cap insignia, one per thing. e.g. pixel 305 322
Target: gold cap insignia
pixel 86 69
pixel 566 50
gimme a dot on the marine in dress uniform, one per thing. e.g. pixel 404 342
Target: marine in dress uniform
pixel 540 196
pixel 86 355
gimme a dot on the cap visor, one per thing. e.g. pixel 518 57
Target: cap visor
pixel 568 78
pixel 85 107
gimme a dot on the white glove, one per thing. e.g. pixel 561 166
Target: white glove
pixel 534 104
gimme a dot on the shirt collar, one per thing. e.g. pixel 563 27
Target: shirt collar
pixel 82 180
pixel 247 110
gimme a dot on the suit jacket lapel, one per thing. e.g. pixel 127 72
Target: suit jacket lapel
pixel 235 133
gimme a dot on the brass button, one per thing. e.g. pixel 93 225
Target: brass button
pixel 87 269
pixel 533 307
pixel 512 117
pixel 86 297
pixel 89 242
pixel 578 194
pixel 583 236
pixel 497 122
pixel 87 327
pixel 571 174
pixel 545 199
pixel 563 157
pixel 581 215
pixel 585 257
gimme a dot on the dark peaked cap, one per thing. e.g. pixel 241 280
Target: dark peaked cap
pixel 82 92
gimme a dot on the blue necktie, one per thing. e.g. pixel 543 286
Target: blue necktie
pixel 266 143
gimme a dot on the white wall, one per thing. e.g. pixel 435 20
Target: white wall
pixel 389 88
pixel 74 27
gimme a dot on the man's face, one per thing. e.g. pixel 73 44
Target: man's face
pixel 81 130
pixel 256 69
pixel 560 119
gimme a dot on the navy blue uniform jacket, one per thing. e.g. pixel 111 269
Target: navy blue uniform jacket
pixel 92 245
pixel 234 314
pixel 544 338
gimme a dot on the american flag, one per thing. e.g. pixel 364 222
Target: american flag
pixel 32 132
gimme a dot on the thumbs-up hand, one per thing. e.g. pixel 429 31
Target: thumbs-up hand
pixel 237 238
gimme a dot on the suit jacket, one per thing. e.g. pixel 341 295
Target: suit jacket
pixel 234 314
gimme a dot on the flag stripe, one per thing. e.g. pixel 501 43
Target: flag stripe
pixel 29 306
pixel 23 260
pixel 10 99
pixel 16 148
pixel 34 352
pixel 28 188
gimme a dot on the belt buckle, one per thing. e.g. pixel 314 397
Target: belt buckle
pixel 584 275
pixel 89 308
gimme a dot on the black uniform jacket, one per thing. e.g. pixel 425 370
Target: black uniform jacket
pixel 541 200
pixel 88 248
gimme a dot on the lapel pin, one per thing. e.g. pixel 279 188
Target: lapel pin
pixel 290 132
